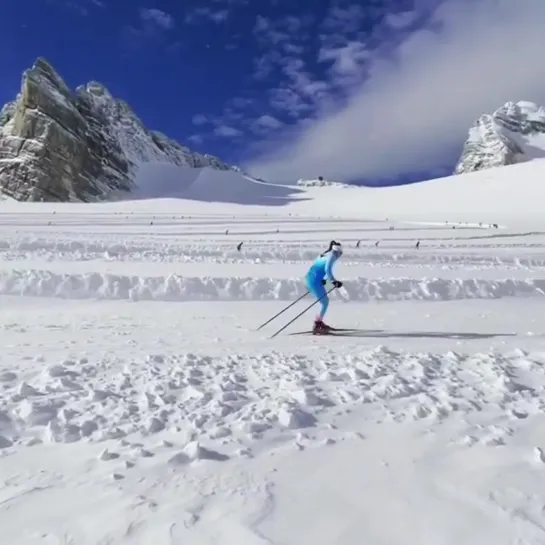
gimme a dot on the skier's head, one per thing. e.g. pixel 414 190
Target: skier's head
pixel 335 248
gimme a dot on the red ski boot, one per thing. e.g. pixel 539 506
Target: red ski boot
pixel 320 328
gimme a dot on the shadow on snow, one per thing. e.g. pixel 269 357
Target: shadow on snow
pixel 381 333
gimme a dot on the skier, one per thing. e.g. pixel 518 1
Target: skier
pixel 317 276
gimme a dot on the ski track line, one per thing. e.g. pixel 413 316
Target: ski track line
pixel 251 252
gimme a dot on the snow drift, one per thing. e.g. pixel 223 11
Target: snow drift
pixel 175 287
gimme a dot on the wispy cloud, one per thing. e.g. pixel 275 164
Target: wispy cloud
pixel 343 19
pixel 346 60
pixel 215 15
pixel 226 131
pixel 82 7
pixel 152 25
pixel 157 19
pixel 196 139
pixel 285 43
pixel 265 124
pixel 199 119
pixel 223 126
pixel 420 93
pixel 401 20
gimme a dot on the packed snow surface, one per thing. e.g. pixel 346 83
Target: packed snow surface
pixel 139 404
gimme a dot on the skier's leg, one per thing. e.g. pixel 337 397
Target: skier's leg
pixel 324 302
pixel 317 289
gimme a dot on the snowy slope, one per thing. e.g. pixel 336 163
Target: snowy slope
pixel 138 403
pixel 512 134
pixel 168 181
pixel 509 195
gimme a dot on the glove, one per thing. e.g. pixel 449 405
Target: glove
pixel 338 284
pixel 324 282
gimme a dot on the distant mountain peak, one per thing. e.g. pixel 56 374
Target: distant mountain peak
pixel 514 133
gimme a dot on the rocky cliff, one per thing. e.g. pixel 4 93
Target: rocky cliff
pixel 84 145
pixel 512 134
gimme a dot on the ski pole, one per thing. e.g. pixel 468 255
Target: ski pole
pixel 301 313
pixel 282 311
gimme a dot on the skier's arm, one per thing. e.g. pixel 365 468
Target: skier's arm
pixel 329 268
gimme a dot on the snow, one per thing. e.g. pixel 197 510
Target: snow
pixel 139 404
pixel 317 182
pixel 166 180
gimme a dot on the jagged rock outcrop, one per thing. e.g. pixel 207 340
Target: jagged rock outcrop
pixel 512 134
pixel 61 145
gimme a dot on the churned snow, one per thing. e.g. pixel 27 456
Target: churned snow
pixel 138 403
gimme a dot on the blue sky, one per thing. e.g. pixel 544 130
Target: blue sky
pixel 377 90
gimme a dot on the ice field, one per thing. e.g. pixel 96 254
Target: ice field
pixel 138 403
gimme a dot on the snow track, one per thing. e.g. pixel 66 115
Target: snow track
pixel 165 262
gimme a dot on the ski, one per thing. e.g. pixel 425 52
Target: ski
pixel 331 331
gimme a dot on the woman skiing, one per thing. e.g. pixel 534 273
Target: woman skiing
pixel 317 276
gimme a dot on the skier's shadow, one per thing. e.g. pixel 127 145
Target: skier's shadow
pixel 381 333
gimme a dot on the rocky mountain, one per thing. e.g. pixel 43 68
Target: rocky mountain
pixel 512 134
pixel 84 145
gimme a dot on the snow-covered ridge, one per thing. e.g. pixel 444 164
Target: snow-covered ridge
pixel 514 133
pixel 95 143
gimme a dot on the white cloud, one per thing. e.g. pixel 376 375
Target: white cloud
pixel 157 17
pixel 199 119
pixel 215 15
pixel 82 7
pixel 267 31
pixel 196 138
pixel 265 123
pixel 413 111
pixel 227 132
pixel 153 26
pixel 288 101
pixel 401 20
pixel 344 18
pixel 347 59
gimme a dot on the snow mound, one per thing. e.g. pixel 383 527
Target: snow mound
pixel 174 287
pixel 166 180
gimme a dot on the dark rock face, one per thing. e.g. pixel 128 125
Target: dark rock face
pixel 60 145
pixel 514 133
